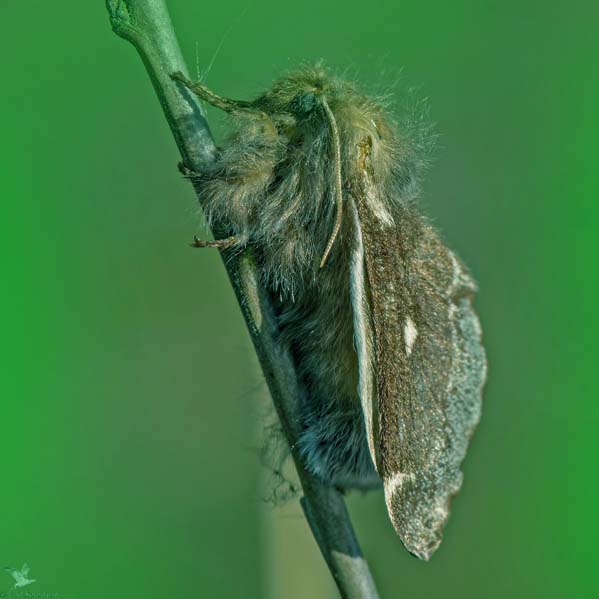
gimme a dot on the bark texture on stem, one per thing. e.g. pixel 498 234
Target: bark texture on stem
pixel 147 25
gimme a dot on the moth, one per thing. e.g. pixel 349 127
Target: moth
pixel 321 184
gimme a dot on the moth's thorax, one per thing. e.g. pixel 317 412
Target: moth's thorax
pixel 276 183
pixel 304 187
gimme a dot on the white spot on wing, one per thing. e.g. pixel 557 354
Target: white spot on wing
pixel 392 485
pixel 378 208
pixel 455 275
pixel 398 478
pixel 410 334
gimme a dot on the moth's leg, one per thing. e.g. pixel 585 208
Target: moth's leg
pixel 221 244
pixel 187 172
pixel 200 90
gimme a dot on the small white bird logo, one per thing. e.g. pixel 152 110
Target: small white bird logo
pixel 20 576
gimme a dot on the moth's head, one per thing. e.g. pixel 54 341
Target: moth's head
pixel 299 94
pixel 296 103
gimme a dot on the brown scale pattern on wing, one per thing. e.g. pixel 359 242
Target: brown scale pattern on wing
pixel 428 399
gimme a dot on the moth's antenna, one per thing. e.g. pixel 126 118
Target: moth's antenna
pixel 338 182
pixel 198 76
pixel 206 94
pixel 204 77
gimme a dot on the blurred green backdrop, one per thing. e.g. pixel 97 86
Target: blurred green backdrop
pixel 131 400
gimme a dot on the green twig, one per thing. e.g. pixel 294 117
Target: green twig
pixel 146 24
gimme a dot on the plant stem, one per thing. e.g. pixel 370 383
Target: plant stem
pixel 147 25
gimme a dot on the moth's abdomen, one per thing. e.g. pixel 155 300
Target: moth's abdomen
pixel 318 324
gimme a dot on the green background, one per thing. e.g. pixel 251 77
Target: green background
pixel 132 404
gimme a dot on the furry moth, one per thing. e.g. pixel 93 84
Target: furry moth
pixel 377 312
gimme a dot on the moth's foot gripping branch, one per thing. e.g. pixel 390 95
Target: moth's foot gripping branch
pixel 187 172
pixel 221 244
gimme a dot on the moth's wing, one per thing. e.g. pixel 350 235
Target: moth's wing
pixel 364 337
pixel 421 364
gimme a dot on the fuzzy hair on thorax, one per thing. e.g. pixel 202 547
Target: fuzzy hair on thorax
pixel 276 170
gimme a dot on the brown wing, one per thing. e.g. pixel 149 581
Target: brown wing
pixel 421 362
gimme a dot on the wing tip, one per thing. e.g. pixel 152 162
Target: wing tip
pixel 418 524
pixel 426 553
